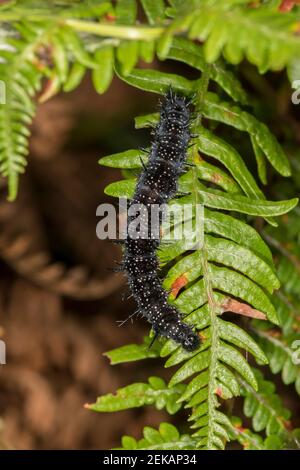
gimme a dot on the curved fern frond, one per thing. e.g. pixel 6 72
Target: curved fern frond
pixel 22 80
pixel 29 52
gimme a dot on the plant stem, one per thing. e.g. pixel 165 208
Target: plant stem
pixel 99 28
pixel 116 31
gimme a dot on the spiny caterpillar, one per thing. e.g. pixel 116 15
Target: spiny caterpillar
pixel 156 185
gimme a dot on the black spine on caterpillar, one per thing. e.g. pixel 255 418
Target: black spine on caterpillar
pixel 156 185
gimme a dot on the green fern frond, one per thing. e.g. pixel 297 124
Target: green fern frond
pixel 265 406
pixel 155 392
pixel 250 440
pixel 226 267
pixel 167 437
pixel 133 352
pixel 282 352
pixel 22 68
pixel 31 51
pixel 22 80
pixel 264 35
pixel 282 346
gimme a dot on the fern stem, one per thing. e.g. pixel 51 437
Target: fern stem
pixel 98 28
pixel 116 31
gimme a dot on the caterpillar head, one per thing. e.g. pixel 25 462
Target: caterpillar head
pixel 176 107
pixel 183 334
pixel 191 341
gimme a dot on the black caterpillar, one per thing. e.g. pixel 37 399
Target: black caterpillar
pixel 156 185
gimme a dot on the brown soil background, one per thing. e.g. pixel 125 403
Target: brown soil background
pixel 59 299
